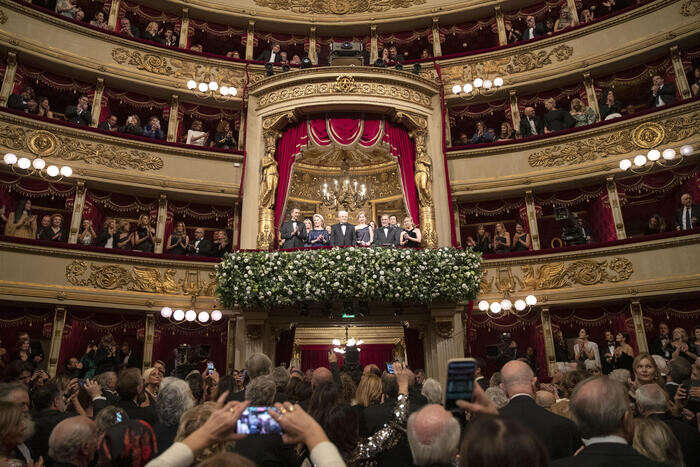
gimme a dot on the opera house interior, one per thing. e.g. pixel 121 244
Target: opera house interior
pixel 349 232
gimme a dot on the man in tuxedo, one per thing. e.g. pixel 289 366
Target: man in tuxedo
pixel 480 374
pixel 129 358
pixel 293 232
pixel 557 434
pixel 608 352
pixel 110 124
pixel 386 235
pixel 271 56
pixel 556 119
pixel 201 246
pixel 343 233
pixel 687 215
pixel 81 113
pixel 532 29
pixel 21 101
pixel 601 409
pixel 661 93
pixel 530 124
pixel 662 344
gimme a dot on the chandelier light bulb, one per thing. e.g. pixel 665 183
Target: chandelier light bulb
pixel 531 300
pixel 216 315
pixel 52 171
pixel 487 84
pixel 213 85
pixel 24 163
pixel 669 154
pixel 686 150
pixel 498 82
pixel 506 304
pixel 336 342
pixel 190 315
pixel 39 163
pixel 178 315
pixel 203 87
pixel 191 84
pixel 653 155
pixel 66 171
pixel 203 317
pixel 166 312
pixel 232 91
pixel 351 342
pixel 625 164
pixel 640 160
pixel 468 88
pixel 478 82
pixel 495 308
pixel 483 305
pixel 223 90
pixel 456 89
pixel 10 158
pixel 520 305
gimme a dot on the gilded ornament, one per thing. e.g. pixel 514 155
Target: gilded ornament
pixel 648 135
pixel 3 17
pixel 344 84
pixel 444 329
pixel 423 172
pixel 268 173
pixel 42 143
pixel 585 272
pixel 337 7
pixel 147 62
pixel 690 7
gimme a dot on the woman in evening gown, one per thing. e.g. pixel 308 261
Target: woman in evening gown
pixel 365 234
pixel 318 236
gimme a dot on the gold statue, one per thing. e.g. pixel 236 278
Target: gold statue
pixel 270 177
pixel 423 173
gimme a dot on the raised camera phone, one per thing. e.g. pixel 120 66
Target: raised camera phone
pixel 118 416
pixel 460 381
pixel 256 421
pixel 210 367
pixel 390 368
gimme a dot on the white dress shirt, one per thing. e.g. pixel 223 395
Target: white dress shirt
pixel 342 228
pixel 604 439
pixel 686 218
pixel 273 57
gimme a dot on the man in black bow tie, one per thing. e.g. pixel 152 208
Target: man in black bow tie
pixel 386 235
pixel 343 233
pixel 293 232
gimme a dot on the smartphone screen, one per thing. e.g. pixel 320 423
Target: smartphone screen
pixel 460 382
pixel 210 367
pixel 118 416
pixel 256 421
pixel 390 368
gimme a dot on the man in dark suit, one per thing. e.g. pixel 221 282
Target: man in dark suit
pixel 129 388
pixel 386 235
pixel 49 411
pixel 480 374
pixel 651 403
pixel 532 29
pixel 110 124
pixel 555 119
pixel 601 409
pixel 530 124
pixel 21 101
pixel 272 55
pixel 662 344
pixel 200 246
pixel 661 93
pixel 343 233
pixel 687 215
pixel 293 232
pixel 558 434
pixel 81 113
pixel 128 357
pixel 127 29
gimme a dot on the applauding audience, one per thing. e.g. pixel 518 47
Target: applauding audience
pixel 153 130
pixel 410 235
pixel 521 239
pixel 80 113
pixel 178 241
pixel 144 236
pixel 87 234
pixel 21 222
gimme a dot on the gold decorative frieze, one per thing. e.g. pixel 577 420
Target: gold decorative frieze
pixel 644 136
pixel 48 144
pixel 337 7
pixel 3 17
pixel 151 63
pixel 139 279
pixel 690 7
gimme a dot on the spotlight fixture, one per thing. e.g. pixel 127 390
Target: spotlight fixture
pixel 506 306
pixel 306 63
pixel 269 71
pixel 642 163
pixel 26 167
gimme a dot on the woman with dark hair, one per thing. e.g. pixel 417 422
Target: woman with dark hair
pixel 483 243
pixel 106 355
pixel 223 138
pixel 44 108
pixel 502 442
pixel 656 225
pixel 132 443
pixel 624 353
pixel 611 108
pixel 21 222
pixel 521 239
pixel 325 396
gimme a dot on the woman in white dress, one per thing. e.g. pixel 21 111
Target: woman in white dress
pixel 586 351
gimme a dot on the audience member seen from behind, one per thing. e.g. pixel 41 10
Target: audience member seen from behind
pixel 653 439
pixel 433 436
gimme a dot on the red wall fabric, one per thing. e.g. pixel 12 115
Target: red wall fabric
pixel 315 356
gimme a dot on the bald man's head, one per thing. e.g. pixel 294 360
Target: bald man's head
pixel 517 378
pixel 73 441
pixel 600 407
pixel 321 375
pixel 433 434
pixel 545 399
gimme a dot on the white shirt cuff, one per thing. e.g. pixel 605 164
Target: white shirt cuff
pixel 325 454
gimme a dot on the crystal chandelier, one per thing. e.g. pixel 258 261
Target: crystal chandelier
pixel 343 193
pixel 341 346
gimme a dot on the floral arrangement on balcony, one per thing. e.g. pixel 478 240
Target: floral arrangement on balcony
pixel 389 275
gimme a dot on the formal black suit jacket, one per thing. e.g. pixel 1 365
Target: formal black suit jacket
pixel 147 414
pixel 558 119
pixel 688 437
pixel 104 236
pixel 392 239
pixel 80 118
pixel 526 129
pixel 606 455
pixel 293 241
pixel 44 421
pixel 694 212
pixel 538 31
pixel 205 248
pixel 16 101
pixel 265 56
pixel 376 416
pixel 667 93
pixel 266 450
pixel 337 237
pixel 105 126
pixel 558 434
pixel 135 360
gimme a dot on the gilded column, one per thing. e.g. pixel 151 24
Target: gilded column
pixel 77 215
pixel 574 12
pixel 8 81
pixel 59 322
pixel 514 110
pixel 590 93
pixel 160 223
pixel 501 26
pixel 639 331
pixel 97 102
pixel 312 45
pixel 532 219
pixel 184 29
pixel 458 228
pixel 614 200
pixel 250 40
pixel 424 185
pixel 548 337
pixel 268 186
pixel 437 48
pixel 173 118
pixel 230 346
pixel 113 15
pixel 679 72
pixel 148 340
pixel 373 45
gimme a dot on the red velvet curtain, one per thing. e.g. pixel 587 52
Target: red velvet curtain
pixel 315 356
pixel 405 151
pixel 168 336
pixel 288 147
pixel 415 354
pixel 601 219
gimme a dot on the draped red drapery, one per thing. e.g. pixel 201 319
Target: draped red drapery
pixel 315 356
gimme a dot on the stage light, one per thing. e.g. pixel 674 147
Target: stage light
pixel 686 150
pixel 351 342
pixel 52 170
pixel 487 84
pixel 478 82
pixel 669 154
pixel 24 163
pixel 468 88
pixel 639 160
pixel 498 82
pixel 66 171
pixel 190 315
pixel 166 312
pixel 216 315
pixel 531 300
pixel 203 316
pixel 203 87
pixel 625 164
pixel 39 163
pixel 191 84
pixel 178 315
pixel 653 155
pixel 223 90
pixel 483 305
pixel 10 158
pixel 520 305
pixel 232 91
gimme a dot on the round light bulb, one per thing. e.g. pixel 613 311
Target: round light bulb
pixel 531 300
pixel 203 87
pixel 190 315
pixel 669 154
pixel 468 88
pixel 213 85
pixel 653 155
pixel 52 171
pixel 478 82
pixel 686 150
pixel 191 84
pixel 39 163
pixel 216 315
pixel 639 160
pixel 178 315
pixel 24 163
pixel 336 342
pixel 10 158
pixel 625 164
pixel 456 89
pixel 495 308
pixel 487 84
pixel 351 342
pixel 520 305
pixel 483 305
pixel 66 171
pixel 223 90
pixel 506 304
pixel 203 316
pixel 498 82
pixel 166 312
pixel 232 91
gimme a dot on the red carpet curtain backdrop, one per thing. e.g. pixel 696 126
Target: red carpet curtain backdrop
pixel 356 132
pixel 314 356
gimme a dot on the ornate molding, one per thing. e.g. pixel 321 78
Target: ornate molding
pixel 337 7
pixel 3 17
pixel 645 135
pixel 690 7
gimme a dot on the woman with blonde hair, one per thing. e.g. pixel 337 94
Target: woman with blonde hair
pixel 645 371
pixel 501 239
pixel 411 236
pixel 152 378
pixel 144 237
pixel 191 421
pixel 679 342
pixel 151 33
pixel 124 235
pixel 655 440
pixel 365 235
pixel 178 241
pixel 564 20
pixel 369 391
pixel 506 133
pixel 583 115
pixel 15 428
pixel 319 235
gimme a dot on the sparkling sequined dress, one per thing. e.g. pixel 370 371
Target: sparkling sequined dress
pixel 386 438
